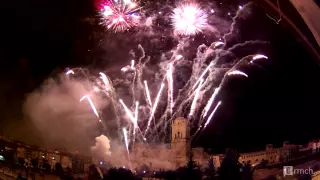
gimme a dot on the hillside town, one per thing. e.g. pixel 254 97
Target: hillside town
pixel 15 152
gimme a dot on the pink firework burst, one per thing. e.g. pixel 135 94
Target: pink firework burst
pixel 119 16
pixel 189 19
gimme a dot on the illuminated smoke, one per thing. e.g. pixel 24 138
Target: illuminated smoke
pixel 196 96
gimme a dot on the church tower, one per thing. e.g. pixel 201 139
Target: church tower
pixel 180 141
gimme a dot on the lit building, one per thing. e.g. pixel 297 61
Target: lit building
pixel 42 155
pixel 169 156
pixel 217 159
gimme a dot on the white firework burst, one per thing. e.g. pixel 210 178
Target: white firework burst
pixel 189 19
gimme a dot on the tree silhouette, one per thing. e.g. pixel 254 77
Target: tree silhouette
pixel 247 172
pixel 192 171
pixel 34 163
pixel 210 172
pixel 94 173
pixel 46 166
pixel 9 158
pixel 58 169
pixel 121 173
pixel 21 161
pixel 167 175
pixel 305 177
pixel 230 167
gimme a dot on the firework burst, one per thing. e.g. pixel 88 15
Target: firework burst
pixel 120 16
pixel 189 19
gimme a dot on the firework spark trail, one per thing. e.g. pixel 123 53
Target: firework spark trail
pixel 237 72
pixel 170 86
pixel 148 93
pixel 201 71
pixel 124 69
pixel 258 57
pixel 201 77
pixel 104 80
pixel 195 99
pixel 211 100
pixel 187 88
pixel 69 72
pixel 143 53
pixel 112 95
pixel 91 105
pixel 217 44
pixel 136 118
pixel 124 130
pixel 154 106
pixel 182 101
pixel 140 66
pixel 133 86
pixel 211 115
pixel 128 112
pixel 178 57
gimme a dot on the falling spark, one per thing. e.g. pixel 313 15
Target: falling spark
pixel 204 72
pixel 258 56
pixel 196 96
pixel 170 84
pixel 179 57
pixel 218 44
pixel 128 112
pixel 189 19
pixel 147 92
pixel 211 100
pixel 91 104
pixel 69 72
pixel 237 72
pixel 136 117
pixel 125 139
pixel 155 106
pixel 132 64
pixel 104 79
pixel 124 69
pixel 211 115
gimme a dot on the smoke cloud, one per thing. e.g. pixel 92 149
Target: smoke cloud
pixel 59 118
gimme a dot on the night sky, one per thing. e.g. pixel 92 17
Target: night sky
pixel 278 102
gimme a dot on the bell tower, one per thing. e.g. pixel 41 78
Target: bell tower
pixel 180 140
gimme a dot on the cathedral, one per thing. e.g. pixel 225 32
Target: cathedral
pixel 169 156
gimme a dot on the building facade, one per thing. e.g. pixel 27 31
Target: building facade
pixel 33 155
pixel 169 156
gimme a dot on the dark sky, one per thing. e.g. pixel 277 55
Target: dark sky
pixel 278 102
